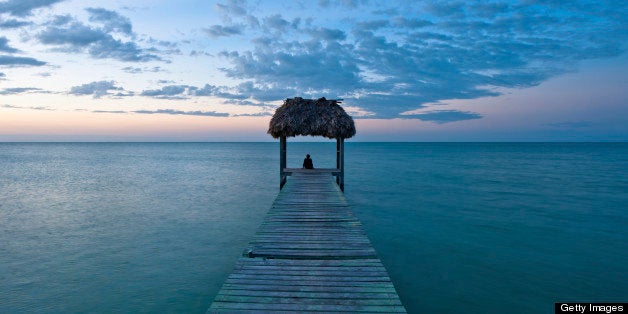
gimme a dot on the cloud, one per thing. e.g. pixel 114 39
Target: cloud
pixel 19 90
pixel 169 111
pixel 197 53
pixel 217 91
pixel 323 3
pixel 20 61
pixel 445 8
pixel 262 92
pixel 168 92
pixel 373 24
pixel 305 67
pixel 135 70
pixel 109 111
pixel 123 51
pixel 387 12
pixel 187 113
pixel 328 34
pixel 4 46
pixel 112 21
pixel 185 91
pixel 412 23
pixel 407 56
pixel 75 36
pixel 98 89
pixel 13 23
pixel 24 7
pixel 352 4
pixel 275 21
pixel 164 43
pixel 60 20
pixel 232 7
pixel 25 107
pixel 259 114
pixel 444 116
pixel 220 31
pixel 246 102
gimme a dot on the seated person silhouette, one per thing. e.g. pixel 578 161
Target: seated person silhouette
pixel 307 162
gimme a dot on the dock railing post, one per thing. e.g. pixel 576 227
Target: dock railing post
pixel 282 161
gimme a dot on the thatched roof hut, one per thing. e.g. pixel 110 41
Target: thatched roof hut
pixel 320 117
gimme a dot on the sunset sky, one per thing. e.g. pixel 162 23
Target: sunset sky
pixel 191 70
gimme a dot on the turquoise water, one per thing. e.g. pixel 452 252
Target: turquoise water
pixel 156 227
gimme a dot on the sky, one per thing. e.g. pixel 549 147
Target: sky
pixel 191 70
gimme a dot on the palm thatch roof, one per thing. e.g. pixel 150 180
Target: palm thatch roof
pixel 320 117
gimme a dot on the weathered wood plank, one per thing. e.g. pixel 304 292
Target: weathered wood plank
pixel 312 288
pixel 303 294
pixel 305 274
pixel 315 256
pixel 328 308
pixel 307 300
pixel 292 283
pixel 307 269
pixel 324 263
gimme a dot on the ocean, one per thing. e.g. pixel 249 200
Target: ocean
pixel 461 227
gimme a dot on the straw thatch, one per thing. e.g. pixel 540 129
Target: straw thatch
pixel 320 117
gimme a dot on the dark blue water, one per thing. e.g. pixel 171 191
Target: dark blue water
pixel 461 227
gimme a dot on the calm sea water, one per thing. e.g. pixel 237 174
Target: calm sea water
pixel 155 227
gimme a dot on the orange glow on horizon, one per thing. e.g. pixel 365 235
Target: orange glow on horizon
pixel 54 123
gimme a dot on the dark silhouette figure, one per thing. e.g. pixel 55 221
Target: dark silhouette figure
pixel 307 162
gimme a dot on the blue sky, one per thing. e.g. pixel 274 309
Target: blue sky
pixel 207 70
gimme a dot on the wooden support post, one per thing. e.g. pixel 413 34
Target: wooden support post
pixel 282 161
pixel 340 162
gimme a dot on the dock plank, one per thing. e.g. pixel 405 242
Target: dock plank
pixel 310 254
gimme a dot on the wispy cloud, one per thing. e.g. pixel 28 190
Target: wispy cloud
pixel 28 107
pixel 258 114
pixel 19 90
pixel 24 7
pixel 168 92
pixel 186 91
pixel 444 116
pixel 19 61
pixel 350 4
pixel 187 113
pixel 137 70
pixel 109 111
pixel 219 30
pixel 99 89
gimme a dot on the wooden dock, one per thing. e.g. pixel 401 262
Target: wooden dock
pixel 310 254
